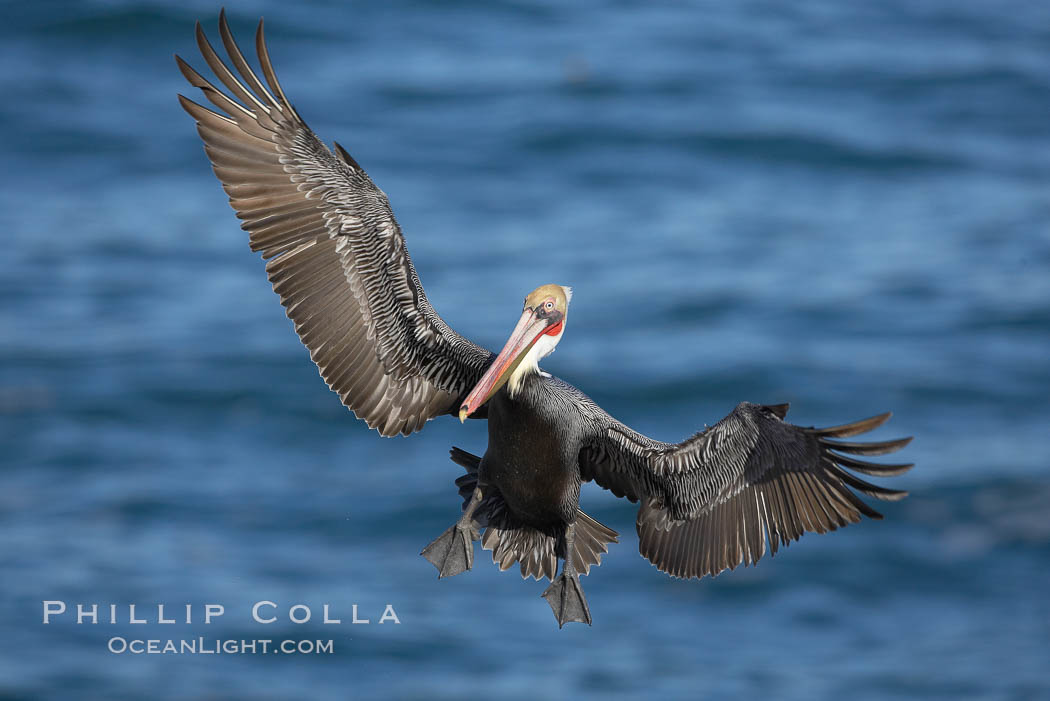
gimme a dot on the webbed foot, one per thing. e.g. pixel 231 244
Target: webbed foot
pixel 565 595
pixel 453 551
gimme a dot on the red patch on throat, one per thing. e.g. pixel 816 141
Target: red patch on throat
pixel 554 330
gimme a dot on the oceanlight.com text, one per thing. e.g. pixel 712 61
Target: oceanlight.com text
pixel 216 646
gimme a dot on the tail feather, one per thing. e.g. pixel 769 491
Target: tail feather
pixel 536 551
pixel 592 541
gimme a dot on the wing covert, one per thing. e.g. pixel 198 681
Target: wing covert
pixel 336 255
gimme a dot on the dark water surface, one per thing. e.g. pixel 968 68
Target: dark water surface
pixel 844 208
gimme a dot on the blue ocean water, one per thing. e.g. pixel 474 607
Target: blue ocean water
pixel 841 206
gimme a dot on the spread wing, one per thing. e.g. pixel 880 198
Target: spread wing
pixel 336 254
pixel 711 502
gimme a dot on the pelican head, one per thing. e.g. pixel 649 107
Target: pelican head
pixel 539 329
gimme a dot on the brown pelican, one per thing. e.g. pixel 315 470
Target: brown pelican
pixel 337 259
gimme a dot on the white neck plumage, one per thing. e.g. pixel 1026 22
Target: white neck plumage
pixel 530 364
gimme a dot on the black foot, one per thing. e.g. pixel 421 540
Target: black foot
pixel 453 552
pixel 565 595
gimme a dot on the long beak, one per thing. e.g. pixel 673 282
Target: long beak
pixel 521 340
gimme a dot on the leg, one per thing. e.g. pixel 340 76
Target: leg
pixel 453 551
pixel 565 595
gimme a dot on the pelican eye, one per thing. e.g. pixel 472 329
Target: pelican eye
pixel 548 305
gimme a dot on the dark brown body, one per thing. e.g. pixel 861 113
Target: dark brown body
pixel 533 453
